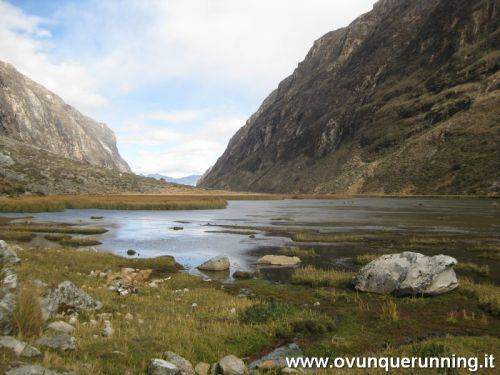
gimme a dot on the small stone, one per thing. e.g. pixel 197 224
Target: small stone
pixel 185 367
pixel 39 283
pixel 232 365
pixel 194 305
pixel 128 316
pixel 202 368
pixel 73 320
pixel 277 358
pixel 177 228
pixel 316 303
pixel 61 326
pixel 131 252
pixel 233 310
pixel 161 367
pixel 108 330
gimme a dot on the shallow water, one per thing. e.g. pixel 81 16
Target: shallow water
pixel 150 233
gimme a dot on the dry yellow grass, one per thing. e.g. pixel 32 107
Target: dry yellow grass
pixel 315 277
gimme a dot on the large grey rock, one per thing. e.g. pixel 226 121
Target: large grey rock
pixel 20 348
pixel 182 364
pixel 161 367
pixel 277 358
pixel 232 365
pixel 61 327
pixel 61 341
pixel 7 305
pixel 8 254
pixel 218 263
pixel 68 296
pixel 408 273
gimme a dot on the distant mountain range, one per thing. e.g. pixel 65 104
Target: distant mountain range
pixel 187 180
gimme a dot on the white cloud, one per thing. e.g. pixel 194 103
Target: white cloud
pixel 174 116
pixel 25 43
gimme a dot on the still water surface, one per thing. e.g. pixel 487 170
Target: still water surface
pixel 150 233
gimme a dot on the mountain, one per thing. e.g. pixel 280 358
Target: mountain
pixel 405 100
pixel 48 147
pixel 33 115
pixel 187 180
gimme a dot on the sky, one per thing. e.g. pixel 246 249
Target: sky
pixel 174 79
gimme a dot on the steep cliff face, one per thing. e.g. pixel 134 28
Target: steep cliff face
pixel 33 115
pixel 404 100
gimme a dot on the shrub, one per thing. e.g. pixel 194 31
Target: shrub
pixel 27 316
pixel 488 295
pixel 264 312
pixel 390 311
pixel 313 327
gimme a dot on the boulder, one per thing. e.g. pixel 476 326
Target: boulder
pixel 8 254
pixel 161 367
pixel 218 263
pixel 279 260
pixel 20 348
pixel 185 367
pixel 277 358
pixel 232 365
pixel 61 327
pixel 202 368
pixel 61 341
pixel 68 296
pixel 408 273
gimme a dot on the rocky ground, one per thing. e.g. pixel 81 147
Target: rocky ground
pixel 78 311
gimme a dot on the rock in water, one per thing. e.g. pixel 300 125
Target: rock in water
pixel 408 273
pixel 218 263
pixel 277 358
pixel 232 365
pixel 68 296
pixel 7 254
pixel 185 367
pixel 279 260
pixel 161 367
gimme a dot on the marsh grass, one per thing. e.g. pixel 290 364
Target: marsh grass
pixel 111 202
pixel 325 237
pixel 11 235
pixel 79 241
pixel 65 229
pixel 297 252
pixel 364 259
pixel 473 269
pixel 56 237
pixel 390 311
pixel 488 295
pixel 27 316
pixel 315 277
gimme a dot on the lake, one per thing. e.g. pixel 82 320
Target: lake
pixel 150 233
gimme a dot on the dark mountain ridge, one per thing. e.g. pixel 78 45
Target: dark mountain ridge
pixel 404 100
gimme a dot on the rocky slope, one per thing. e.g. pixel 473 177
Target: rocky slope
pixel 404 100
pixel 33 115
pixel 28 169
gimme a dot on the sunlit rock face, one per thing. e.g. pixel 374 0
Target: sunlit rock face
pixel 33 115
pixel 403 100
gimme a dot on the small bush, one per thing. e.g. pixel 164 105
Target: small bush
pixel 390 311
pixel 27 316
pixel 363 259
pixel 314 277
pixel 313 327
pixel 264 312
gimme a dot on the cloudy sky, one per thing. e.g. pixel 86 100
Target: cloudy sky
pixel 173 78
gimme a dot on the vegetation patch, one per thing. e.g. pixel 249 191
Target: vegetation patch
pixel 264 312
pixel 315 277
pixel 10 235
pixel 472 268
pixel 364 259
pixel 56 237
pixel 325 237
pixel 111 202
pixel 79 241
pixel 57 229
pixel 297 252
pixel 27 316
pixel 488 295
